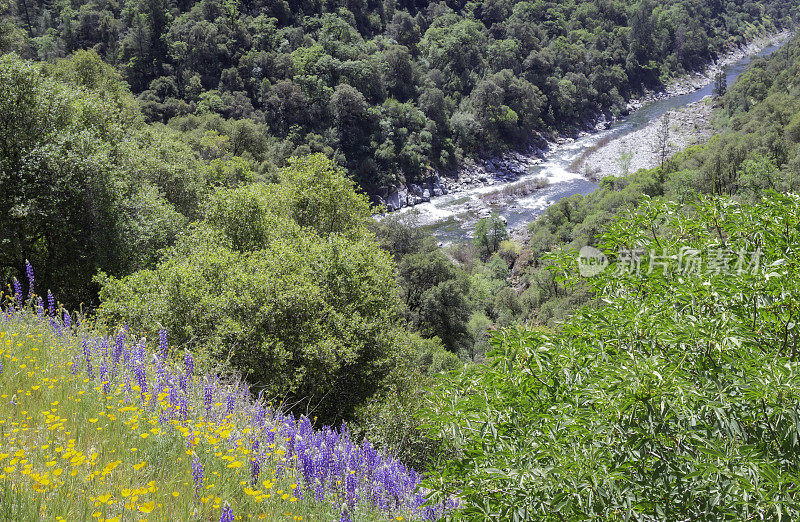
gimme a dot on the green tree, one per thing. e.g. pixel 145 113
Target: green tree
pixel 457 47
pixel 72 195
pixel 444 312
pixel 420 272
pixel 720 84
pixel 282 282
pixel 490 232
pixel 11 37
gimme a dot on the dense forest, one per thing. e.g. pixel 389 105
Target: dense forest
pixel 390 89
pixel 189 182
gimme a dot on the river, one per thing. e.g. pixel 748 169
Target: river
pixel 452 217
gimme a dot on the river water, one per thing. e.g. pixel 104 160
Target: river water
pixel 452 217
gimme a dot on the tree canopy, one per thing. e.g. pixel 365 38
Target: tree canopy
pixel 390 89
pixel 282 281
pixel 85 185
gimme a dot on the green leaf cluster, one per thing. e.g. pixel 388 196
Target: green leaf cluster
pixel 677 399
pixel 84 183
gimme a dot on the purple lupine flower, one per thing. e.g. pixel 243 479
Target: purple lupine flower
pixel 255 469
pixel 255 463
pixel 208 398
pixel 67 320
pixel 119 347
pixel 141 351
pixel 173 395
pixel 183 409
pixel 17 289
pixel 51 303
pixel 39 308
pixel 103 373
pixel 227 515
pixel 258 417
pixel 197 473
pixel 189 362
pixel 161 372
pixel 154 401
pixel 307 467
pixel 162 343
pixel 1 367
pixel 231 403
pixel 29 273
pixel 87 352
pixel 141 377
pixel 351 482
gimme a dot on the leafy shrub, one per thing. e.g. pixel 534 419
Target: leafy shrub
pixel 675 400
pixel 84 184
pixel 284 283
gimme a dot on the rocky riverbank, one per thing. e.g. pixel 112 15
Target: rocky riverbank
pixel 689 125
pixel 642 149
pixel 472 174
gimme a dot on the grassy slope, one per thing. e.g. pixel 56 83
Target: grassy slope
pixel 70 450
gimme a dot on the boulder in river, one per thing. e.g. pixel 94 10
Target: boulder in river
pixel 377 200
pixel 393 201
pixel 403 197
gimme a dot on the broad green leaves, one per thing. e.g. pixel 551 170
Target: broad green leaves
pixel 676 399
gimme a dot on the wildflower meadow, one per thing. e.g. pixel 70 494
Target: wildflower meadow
pixel 109 427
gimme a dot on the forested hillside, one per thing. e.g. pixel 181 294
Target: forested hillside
pixel 756 149
pixel 391 89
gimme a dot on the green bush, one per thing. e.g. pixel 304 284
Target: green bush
pixel 84 184
pixel 388 419
pixel 281 282
pixel 675 400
